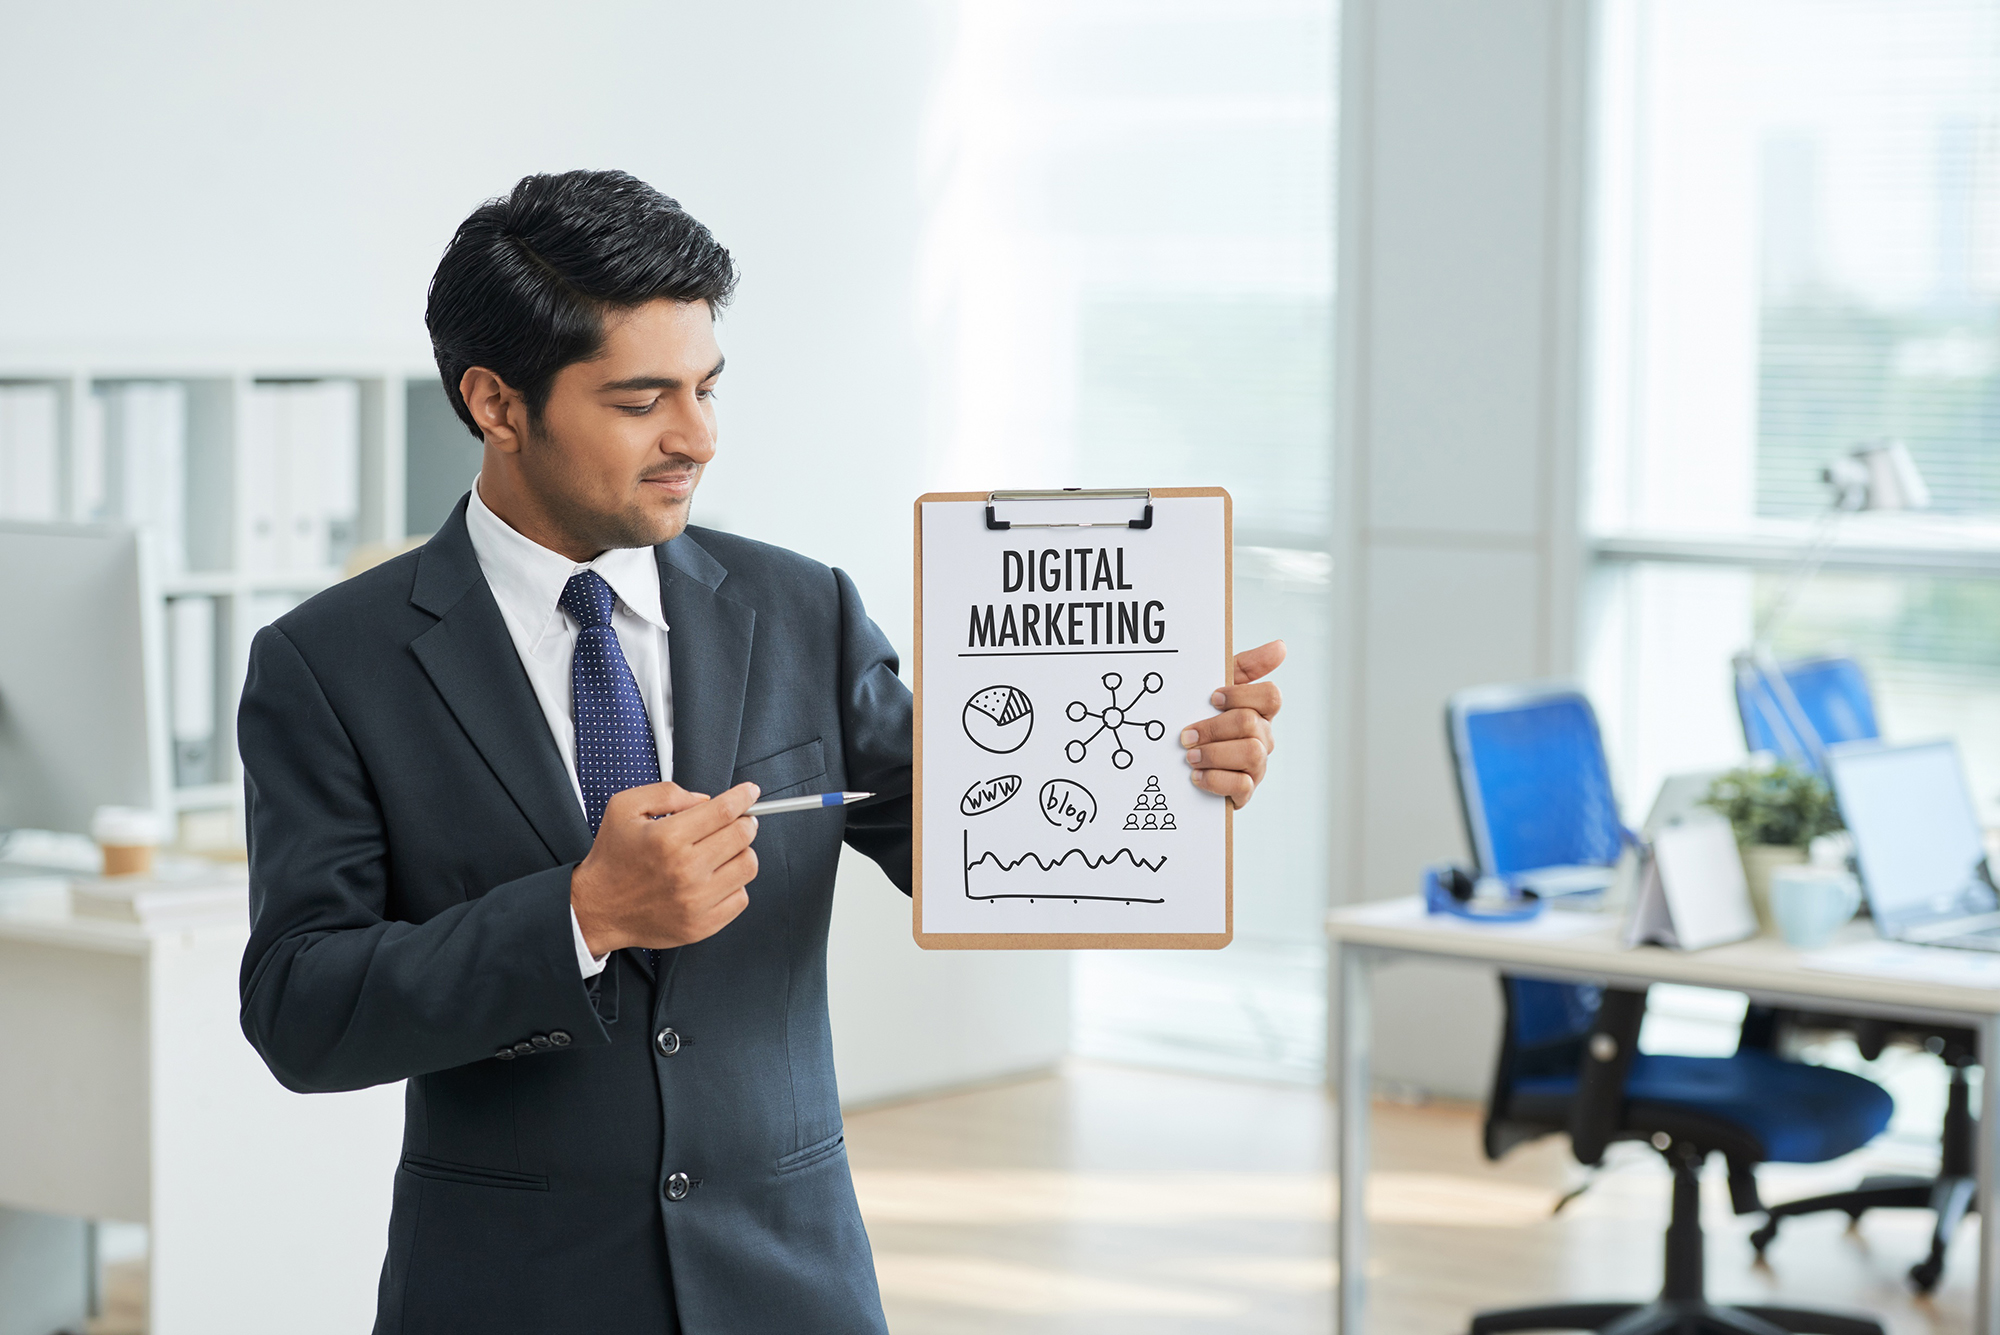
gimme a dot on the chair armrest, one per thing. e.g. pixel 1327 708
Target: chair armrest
pixel 1597 1113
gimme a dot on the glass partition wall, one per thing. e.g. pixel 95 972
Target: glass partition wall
pixel 1132 281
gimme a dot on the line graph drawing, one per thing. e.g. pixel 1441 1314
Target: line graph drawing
pixel 1085 860
pixel 1114 717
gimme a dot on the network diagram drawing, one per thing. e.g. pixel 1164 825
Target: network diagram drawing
pixel 1113 719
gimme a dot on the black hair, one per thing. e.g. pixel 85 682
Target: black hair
pixel 525 284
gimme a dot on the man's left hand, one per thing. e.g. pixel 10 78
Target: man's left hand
pixel 1228 752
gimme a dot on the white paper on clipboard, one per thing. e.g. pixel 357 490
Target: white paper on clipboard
pixel 1057 668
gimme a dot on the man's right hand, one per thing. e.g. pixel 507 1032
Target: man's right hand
pixel 661 883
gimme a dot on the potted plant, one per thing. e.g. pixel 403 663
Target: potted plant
pixel 1776 811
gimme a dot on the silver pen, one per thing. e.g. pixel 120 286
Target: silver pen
pixel 810 802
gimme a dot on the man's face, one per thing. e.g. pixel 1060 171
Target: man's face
pixel 624 437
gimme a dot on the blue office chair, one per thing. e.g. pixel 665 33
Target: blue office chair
pixel 1574 1068
pixel 1535 791
pixel 1834 695
pixel 1533 783
pixel 1832 692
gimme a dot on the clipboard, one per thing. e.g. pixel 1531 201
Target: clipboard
pixel 1053 806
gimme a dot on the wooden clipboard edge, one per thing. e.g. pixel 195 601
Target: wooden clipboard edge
pixel 1075 940
pixel 1068 940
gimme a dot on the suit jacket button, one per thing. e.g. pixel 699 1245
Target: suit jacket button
pixel 677 1186
pixel 505 1054
pixel 559 1037
pixel 667 1042
pixel 542 1042
pixel 523 1048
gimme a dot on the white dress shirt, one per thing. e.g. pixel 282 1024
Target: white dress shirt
pixel 527 580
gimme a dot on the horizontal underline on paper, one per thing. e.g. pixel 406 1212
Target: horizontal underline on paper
pixel 1064 653
pixel 1074 899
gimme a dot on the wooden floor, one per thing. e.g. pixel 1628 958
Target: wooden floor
pixel 1111 1200
pixel 1115 1200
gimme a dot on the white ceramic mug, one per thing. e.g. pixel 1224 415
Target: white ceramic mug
pixel 1811 903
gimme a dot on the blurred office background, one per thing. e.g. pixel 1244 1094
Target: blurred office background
pixel 1519 332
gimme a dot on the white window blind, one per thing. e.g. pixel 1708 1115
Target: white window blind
pixel 1799 227
pixel 1802 211
pixel 1878 166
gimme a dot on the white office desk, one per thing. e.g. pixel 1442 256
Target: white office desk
pixel 130 1093
pixel 1572 948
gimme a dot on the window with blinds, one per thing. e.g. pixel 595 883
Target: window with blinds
pixel 1802 205
pixel 1799 225
pixel 1878 182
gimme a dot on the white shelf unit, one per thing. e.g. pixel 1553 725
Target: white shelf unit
pixel 216 522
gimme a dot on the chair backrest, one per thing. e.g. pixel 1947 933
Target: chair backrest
pixel 1833 694
pixel 1535 790
pixel 1533 783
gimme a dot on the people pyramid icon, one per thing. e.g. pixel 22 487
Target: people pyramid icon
pixel 1149 809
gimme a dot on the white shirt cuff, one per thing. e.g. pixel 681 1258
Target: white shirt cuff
pixel 590 965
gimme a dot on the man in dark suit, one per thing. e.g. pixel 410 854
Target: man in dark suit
pixel 621 1113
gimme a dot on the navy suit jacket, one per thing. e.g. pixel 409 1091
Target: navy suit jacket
pixel 567 1164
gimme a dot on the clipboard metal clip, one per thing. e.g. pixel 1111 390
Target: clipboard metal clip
pixel 1144 521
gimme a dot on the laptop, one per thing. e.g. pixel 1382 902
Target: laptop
pixel 1918 842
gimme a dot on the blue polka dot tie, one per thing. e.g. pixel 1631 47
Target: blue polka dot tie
pixel 614 742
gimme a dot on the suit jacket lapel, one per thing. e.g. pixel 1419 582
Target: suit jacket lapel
pixel 708 651
pixel 471 659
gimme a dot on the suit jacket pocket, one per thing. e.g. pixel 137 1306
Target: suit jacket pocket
pixel 442 1171
pixel 787 769
pixel 812 1154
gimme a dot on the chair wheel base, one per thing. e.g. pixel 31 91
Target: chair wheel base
pixel 1672 1318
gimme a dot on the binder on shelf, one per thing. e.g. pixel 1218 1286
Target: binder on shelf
pixel 28 453
pixel 131 464
pixel 339 453
pixel 301 474
pixel 264 432
pixel 90 465
pixel 191 689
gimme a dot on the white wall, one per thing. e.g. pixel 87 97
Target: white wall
pixel 270 179
pixel 279 177
pixel 1456 550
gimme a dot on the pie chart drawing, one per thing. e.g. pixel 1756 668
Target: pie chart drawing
pixel 999 719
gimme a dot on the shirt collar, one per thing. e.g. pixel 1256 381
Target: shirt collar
pixel 528 579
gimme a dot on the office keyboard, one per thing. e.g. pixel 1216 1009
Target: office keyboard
pixel 1986 940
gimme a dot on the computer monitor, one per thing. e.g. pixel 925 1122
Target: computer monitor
pixel 82 718
pixel 1916 831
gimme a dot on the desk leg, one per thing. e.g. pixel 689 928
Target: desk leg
pixel 1351 1289
pixel 1986 1320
